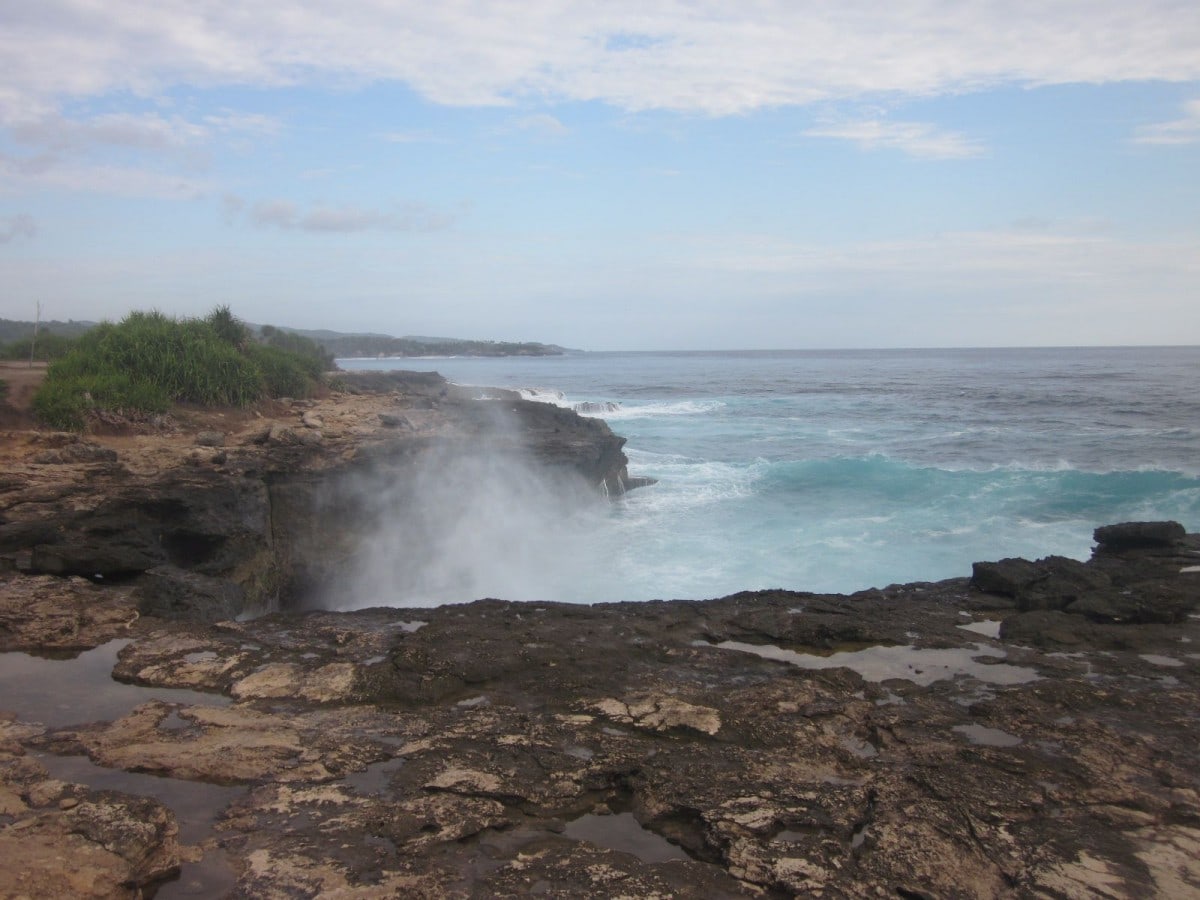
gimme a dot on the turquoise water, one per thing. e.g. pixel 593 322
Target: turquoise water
pixel 838 471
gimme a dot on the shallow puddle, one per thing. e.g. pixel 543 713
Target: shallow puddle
pixel 879 663
pixel 409 627
pixel 791 836
pixel 987 627
pixel 59 692
pixel 210 876
pixel 197 807
pixel 374 779
pixel 1157 660
pixel 624 833
pixel 861 749
pixel 987 737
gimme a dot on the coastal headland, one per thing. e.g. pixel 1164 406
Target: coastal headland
pixel 184 713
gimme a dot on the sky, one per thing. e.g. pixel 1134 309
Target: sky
pixel 606 176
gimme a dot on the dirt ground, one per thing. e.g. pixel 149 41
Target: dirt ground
pixel 23 381
pixel 145 445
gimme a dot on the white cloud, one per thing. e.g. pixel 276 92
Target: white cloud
pixel 51 172
pixel 542 124
pixel 22 225
pixel 52 131
pixel 58 133
pixel 96 153
pixel 231 122
pixel 342 219
pixel 914 138
pixel 710 58
pixel 1184 130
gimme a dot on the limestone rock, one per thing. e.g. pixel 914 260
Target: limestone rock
pixel 281 434
pixel 52 613
pixel 68 841
pixel 332 683
pixel 661 714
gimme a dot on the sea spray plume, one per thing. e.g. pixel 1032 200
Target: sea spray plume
pixel 471 515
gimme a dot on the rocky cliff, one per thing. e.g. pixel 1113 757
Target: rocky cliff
pixel 1027 732
pixel 211 523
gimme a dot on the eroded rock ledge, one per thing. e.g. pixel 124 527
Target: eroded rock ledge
pixel 1030 732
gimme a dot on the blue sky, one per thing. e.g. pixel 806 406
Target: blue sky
pixel 611 176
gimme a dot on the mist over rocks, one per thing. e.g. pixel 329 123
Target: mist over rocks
pixel 1026 732
pixel 289 510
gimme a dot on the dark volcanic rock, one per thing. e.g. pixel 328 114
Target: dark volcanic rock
pixel 1138 534
pixel 174 593
pixel 1130 579
pixel 1007 577
pixel 1051 583
pixel 196 519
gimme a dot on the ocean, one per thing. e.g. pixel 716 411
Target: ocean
pixel 833 471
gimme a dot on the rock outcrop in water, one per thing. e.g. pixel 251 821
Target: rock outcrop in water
pixel 1027 732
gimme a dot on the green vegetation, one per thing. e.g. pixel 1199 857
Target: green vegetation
pixel 148 362
pixel 48 346
pixel 296 343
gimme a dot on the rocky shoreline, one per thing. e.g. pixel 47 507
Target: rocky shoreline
pixel 1029 731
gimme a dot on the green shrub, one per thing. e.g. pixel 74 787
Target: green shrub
pixel 64 401
pixel 149 361
pixel 187 360
pixel 62 404
pixel 228 327
pixel 284 374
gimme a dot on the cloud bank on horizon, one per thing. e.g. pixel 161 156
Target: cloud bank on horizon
pixel 618 175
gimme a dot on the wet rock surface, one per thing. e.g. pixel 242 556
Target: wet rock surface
pixel 1027 733
pixel 782 744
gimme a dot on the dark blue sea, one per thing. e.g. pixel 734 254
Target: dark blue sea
pixel 831 470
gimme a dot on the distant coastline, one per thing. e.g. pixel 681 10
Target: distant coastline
pixel 342 345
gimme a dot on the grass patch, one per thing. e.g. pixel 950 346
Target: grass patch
pixel 148 361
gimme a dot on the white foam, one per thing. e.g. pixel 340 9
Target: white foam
pixel 653 410
pixel 545 395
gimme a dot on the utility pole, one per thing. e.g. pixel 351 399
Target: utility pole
pixel 36 322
